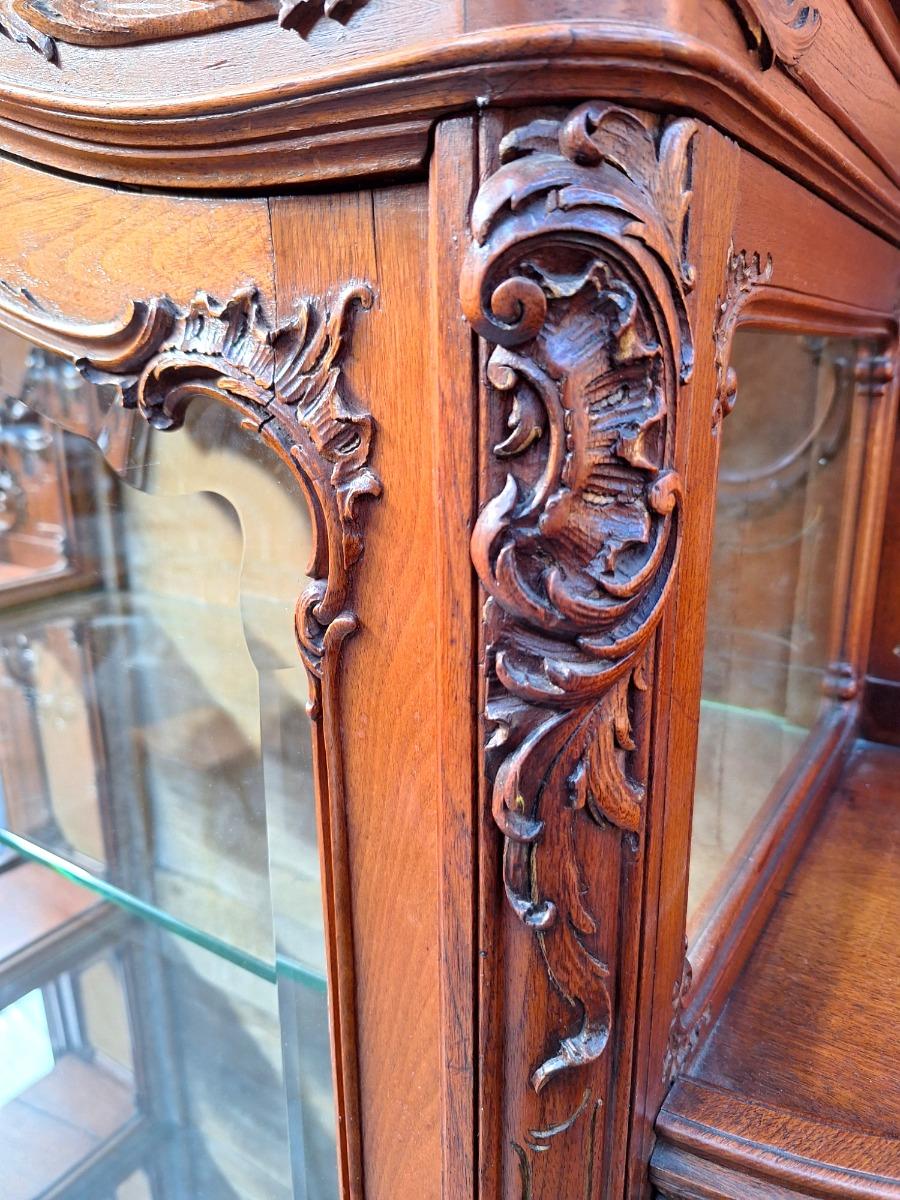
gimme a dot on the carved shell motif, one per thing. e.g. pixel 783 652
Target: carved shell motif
pixel 577 275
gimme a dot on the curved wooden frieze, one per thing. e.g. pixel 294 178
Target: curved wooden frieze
pixel 42 23
pixel 779 30
pixel 743 273
pixel 577 276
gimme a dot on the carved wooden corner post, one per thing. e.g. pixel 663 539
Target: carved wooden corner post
pixel 286 385
pixel 576 276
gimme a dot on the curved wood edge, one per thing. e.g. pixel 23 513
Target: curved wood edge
pixel 747 1142
pixel 285 384
pixel 379 110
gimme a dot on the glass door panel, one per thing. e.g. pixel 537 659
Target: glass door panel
pixel 155 751
pixel 784 495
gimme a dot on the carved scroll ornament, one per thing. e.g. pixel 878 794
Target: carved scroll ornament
pixel 286 384
pixel 743 273
pixel 42 23
pixel 576 275
pixel 779 30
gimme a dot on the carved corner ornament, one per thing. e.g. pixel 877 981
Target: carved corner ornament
pixel 779 30
pixel 576 275
pixel 42 23
pixel 743 273
pixel 684 1038
pixel 286 384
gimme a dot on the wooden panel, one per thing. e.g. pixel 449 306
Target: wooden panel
pixel 455 423
pixel 815 251
pixel 91 250
pixel 844 73
pixel 388 711
pixel 675 728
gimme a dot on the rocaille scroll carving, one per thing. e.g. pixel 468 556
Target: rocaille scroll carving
pixel 42 23
pixel 284 381
pixel 779 30
pixel 577 276
pixel 743 273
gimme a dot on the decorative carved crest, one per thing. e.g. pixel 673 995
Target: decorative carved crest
pixel 577 275
pixel 42 23
pixel 742 275
pixel 779 30
pixel 284 381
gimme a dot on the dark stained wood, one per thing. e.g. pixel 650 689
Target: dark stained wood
pixel 588 391
pixel 795 1085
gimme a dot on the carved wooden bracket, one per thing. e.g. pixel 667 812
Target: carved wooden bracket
pixel 779 30
pixel 742 275
pixel 576 274
pixel 42 23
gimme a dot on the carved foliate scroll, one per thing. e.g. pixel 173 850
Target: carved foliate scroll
pixel 285 382
pixel 577 276
pixel 743 273
pixel 779 30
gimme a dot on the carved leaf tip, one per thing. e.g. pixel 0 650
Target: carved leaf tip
pixel 14 26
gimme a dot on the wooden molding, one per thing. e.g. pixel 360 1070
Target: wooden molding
pixel 286 384
pixel 576 277
pixel 373 115
pixel 41 25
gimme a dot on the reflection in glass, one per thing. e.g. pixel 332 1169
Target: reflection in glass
pixel 154 748
pixel 781 491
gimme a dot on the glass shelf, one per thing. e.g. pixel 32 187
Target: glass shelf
pixel 178 1049
pixel 60 822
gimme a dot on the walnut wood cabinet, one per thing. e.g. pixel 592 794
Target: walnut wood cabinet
pixel 446 751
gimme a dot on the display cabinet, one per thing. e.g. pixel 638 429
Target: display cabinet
pixel 449 600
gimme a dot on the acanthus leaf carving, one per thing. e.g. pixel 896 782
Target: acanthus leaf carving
pixel 577 274
pixel 779 30
pixel 743 273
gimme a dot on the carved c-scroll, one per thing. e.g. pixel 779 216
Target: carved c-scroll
pixel 577 276
pixel 743 273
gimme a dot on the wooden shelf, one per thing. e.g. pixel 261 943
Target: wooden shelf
pixel 796 1092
